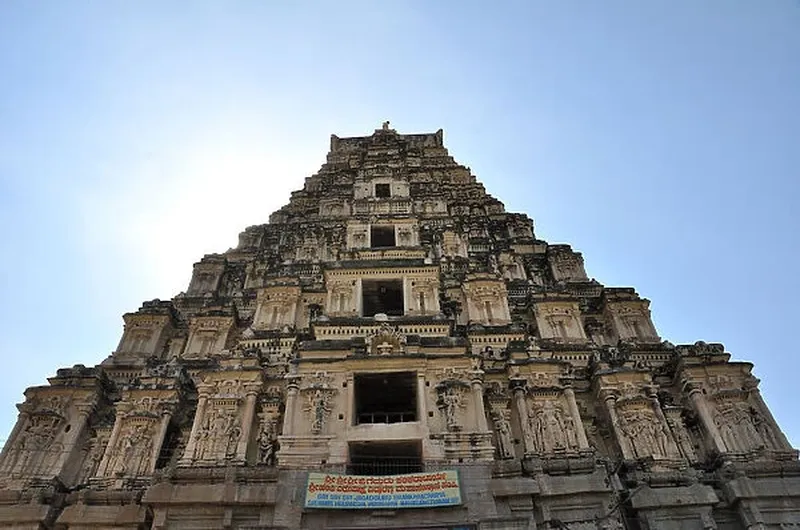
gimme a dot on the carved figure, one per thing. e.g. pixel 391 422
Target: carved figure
pixel 319 407
pixel 502 428
pixel 764 429
pixel 450 401
pixel 232 434
pixel 646 433
pixel 132 455
pixel 735 425
pixel 682 438
pixel 550 428
pixel 267 442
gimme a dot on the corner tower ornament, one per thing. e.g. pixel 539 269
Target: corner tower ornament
pixel 391 326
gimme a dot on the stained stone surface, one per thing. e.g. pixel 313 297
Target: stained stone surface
pixel 551 394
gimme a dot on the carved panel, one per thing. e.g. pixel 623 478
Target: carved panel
pixel 551 429
pixel 565 264
pixel 559 320
pixel 207 335
pixel 276 307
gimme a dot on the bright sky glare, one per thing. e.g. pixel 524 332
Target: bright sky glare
pixel 660 138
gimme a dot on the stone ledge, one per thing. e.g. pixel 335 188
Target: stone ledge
pixel 130 515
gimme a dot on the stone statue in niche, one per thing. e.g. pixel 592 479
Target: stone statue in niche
pixel 502 429
pixel 233 432
pixel 681 435
pixel 552 430
pixel 213 437
pixel 451 402
pixel 94 455
pixel 319 406
pixel 645 433
pixel 267 441
pixel 735 425
pixel 133 453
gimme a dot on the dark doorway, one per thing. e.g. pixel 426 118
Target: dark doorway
pixel 382 236
pixel 385 458
pixel 382 296
pixel 386 398
pixel 383 191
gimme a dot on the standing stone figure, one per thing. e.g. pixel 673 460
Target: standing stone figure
pixel 502 428
pixel 267 442
pixel 450 401
pixel 320 408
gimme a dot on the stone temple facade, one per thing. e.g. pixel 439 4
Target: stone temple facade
pixel 394 350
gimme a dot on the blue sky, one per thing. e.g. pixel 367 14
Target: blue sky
pixel 660 138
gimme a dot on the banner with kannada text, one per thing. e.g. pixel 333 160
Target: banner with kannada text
pixel 361 492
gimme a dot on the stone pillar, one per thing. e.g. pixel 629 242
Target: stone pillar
pixel 518 389
pixel 158 441
pixel 407 294
pixel 291 404
pixel 191 444
pixel 355 292
pixel 72 437
pixel 350 408
pixel 610 401
pixel 295 307
pixel 102 469
pixel 477 396
pixel 247 424
pixel 583 442
pixel 701 407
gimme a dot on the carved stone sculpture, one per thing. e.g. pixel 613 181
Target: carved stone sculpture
pixel 502 429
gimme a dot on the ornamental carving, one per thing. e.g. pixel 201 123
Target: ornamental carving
pixel 94 450
pixel 318 407
pixel 452 402
pixel 133 453
pixel 34 450
pixel 551 429
pixel 744 428
pixel 318 394
pixel 218 436
pixel 646 433
pixel 501 423
pixel 681 434
pixel 386 340
pixel 268 437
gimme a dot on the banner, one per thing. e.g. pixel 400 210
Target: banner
pixel 417 490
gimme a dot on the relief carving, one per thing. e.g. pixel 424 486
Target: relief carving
pixel 501 420
pixel 217 438
pixel 387 340
pixel 268 439
pixel 34 450
pixel 645 432
pixel 737 425
pixel 318 406
pixel 551 429
pixel 132 455
pixel 451 402
pixel 681 435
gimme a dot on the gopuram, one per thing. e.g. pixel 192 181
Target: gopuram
pixel 394 350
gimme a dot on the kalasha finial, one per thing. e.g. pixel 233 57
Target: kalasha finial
pixel 385 126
